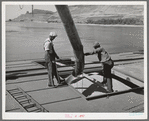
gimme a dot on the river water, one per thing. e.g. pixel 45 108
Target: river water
pixel 24 40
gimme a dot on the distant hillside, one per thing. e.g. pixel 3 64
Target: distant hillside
pixel 38 15
pixel 37 11
pixel 98 14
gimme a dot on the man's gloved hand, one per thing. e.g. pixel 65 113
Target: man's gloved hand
pixel 57 57
pixel 86 54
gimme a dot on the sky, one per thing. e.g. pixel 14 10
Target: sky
pixel 13 11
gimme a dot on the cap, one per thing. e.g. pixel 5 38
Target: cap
pixel 96 45
pixel 53 34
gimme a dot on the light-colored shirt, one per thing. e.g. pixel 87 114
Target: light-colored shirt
pixel 50 53
pixel 103 56
pixel 48 45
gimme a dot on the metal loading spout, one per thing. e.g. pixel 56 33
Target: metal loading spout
pixel 73 36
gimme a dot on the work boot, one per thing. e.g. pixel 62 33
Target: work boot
pixel 104 84
pixel 49 85
pixel 110 91
pixel 62 81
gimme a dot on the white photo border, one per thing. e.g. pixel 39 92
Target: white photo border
pixel 90 115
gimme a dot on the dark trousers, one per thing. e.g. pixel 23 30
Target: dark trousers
pixel 107 66
pixel 52 71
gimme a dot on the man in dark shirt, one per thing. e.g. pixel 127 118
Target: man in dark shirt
pixel 50 56
pixel 107 64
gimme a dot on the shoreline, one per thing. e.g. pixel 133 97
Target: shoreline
pixel 108 25
pixel 113 25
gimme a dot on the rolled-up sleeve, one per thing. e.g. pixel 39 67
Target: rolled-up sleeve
pixel 97 50
pixel 48 46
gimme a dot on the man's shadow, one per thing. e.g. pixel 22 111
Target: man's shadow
pixel 13 76
pixel 92 88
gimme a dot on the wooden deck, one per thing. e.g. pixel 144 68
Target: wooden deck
pixel 31 77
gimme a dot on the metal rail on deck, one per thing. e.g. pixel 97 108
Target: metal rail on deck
pixel 114 93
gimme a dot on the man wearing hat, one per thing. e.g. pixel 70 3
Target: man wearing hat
pixel 107 64
pixel 50 56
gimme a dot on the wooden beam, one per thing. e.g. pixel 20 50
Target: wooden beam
pixel 73 36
